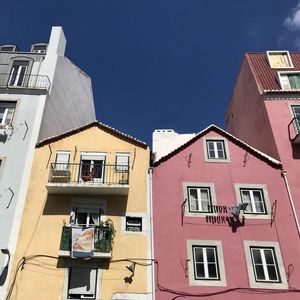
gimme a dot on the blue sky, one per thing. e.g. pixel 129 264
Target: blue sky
pixel 157 64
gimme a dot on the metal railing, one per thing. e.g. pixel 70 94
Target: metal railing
pixel 89 173
pixel 25 81
pixel 295 124
pixel 102 239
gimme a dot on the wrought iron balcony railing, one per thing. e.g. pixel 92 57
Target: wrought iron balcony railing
pixel 102 239
pixel 25 81
pixel 89 173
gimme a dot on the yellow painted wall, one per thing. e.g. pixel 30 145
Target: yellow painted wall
pixel 44 215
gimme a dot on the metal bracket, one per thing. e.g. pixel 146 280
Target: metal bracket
pixel 12 195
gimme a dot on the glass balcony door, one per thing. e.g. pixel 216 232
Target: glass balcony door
pixel 18 73
pixel 92 168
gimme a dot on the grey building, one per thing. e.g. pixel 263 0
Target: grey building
pixel 42 94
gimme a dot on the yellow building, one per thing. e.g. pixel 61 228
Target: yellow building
pixel 85 233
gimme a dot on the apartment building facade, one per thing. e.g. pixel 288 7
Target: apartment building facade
pixel 264 111
pixel 37 88
pixel 223 226
pixel 85 231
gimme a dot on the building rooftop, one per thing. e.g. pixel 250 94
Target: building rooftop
pixel 267 77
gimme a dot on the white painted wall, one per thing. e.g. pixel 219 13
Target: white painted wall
pixel 165 141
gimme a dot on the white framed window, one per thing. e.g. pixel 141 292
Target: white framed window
pixel 206 263
pixel 279 59
pixel 289 80
pixel 205 260
pixel 257 198
pixel 199 199
pixel 92 165
pixel 122 162
pixel 134 223
pixel 216 149
pixel 82 283
pixel 265 265
pixel 296 113
pixel 39 48
pixel 7 110
pixel 18 73
pixel 84 214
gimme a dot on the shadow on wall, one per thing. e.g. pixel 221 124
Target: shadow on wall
pixel 296 151
pixel 62 204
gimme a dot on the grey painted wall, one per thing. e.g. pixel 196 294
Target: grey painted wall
pixel 70 103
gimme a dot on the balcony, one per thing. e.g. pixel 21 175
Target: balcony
pixel 294 130
pixel 88 179
pixel 102 242
pixel 21 82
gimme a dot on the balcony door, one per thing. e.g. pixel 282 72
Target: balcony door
pixel 92 167
pixel 17 74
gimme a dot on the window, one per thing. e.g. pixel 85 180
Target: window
pixel 216 149
pixel 255 200
pixel 205 263
pixel 265 265
pixel 122 162
pixel 134 224
pixel 82 283
pixel 289 80
pixel 62 160
pixel 199 199
pixel 7 109
pixel 18 73
pixel 8 48
pixel 279 59
pixel 92 167
pixel 296 113
pixel 39 48
pixel 86 215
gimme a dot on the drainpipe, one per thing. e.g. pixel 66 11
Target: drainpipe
pixel 151 231
pixel 284 175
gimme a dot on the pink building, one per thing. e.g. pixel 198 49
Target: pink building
pixel 203 245
pixel 265 111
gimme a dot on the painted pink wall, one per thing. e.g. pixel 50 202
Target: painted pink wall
pixel 246 117
pixel 170 246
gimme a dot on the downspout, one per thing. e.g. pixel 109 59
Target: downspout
pixel 151 232
pixel 284 175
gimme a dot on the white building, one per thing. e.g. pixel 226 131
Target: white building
pixel 42 94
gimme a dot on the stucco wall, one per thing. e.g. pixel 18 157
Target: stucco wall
pixel 246 117
pixel 44 216
pixel 70 103
pixel 171 235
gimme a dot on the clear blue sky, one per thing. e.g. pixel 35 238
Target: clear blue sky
pixel 157 64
